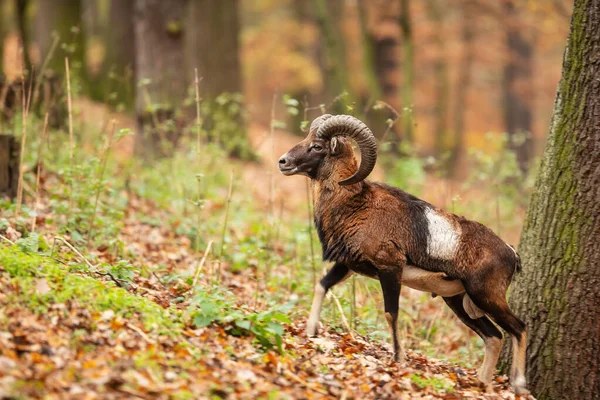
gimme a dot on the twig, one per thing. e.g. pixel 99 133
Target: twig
pixel 39 172
pixel 271 206
pixel 25 111
pixel 107 147
pixel 310 235
pixel 201 264
pixel 7 239
pixel 301 381
pixel 224 227
pixel 139 332
pixel 198 122
pixel 341 310
pixel 70 246
pixel 38 82
pixel 70 107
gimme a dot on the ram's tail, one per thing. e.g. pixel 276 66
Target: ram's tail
pixel 518 265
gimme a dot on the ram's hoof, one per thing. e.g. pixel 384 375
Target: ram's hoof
pixel 312 329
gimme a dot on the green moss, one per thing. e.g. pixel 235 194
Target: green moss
pixel 66 285
pixel 440 385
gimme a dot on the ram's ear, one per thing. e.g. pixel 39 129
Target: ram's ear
pixel 335 146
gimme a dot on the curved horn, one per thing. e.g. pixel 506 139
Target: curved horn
pixel 318 121
pixel 347 125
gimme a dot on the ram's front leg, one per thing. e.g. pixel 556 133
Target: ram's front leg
pixel 391 279
pixel 338 273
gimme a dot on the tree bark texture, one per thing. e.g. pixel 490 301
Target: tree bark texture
pixel 517 86
pixel 159 71
pixel 213 46
pixel 558 292
pixel 9 166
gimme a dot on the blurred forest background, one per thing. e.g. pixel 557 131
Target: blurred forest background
pixel 446 72
pixel 148 216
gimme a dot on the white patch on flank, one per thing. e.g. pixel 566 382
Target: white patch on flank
pixel 444 238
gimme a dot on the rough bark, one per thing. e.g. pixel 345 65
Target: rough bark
pixel 462 86
pixel 408 82
pixel 517 85
pixel 160 72
pixel 558 293
pixel 9 166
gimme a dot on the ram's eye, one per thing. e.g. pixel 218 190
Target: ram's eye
pixel 316 147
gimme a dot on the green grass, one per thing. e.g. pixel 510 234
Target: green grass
pixel 439 385
pixel 68 283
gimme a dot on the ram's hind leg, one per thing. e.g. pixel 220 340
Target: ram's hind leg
pixel 493 302
pixel 338 273
pixel 491 336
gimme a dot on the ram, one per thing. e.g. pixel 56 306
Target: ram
pixel 384 233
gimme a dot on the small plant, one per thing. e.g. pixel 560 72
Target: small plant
pixel 440 385
pixel 217 306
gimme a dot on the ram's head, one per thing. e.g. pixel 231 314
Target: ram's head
pixel 325 144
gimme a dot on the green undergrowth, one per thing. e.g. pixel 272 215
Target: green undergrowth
pixel 75 282
pixel 67 283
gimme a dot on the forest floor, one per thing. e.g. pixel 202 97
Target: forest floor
pixel 88 348
pixel 83 324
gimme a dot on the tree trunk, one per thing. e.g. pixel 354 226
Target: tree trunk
pixel 462 87
pixel 9 166
pixel 517 86
pixel 336 74
pixel 3 32
pixel 160 72
pixel 62 17
pixel 442 81
pixel 213 46
pixel 120 53
pixel 558 292
pixel 21 9
pixel 381 34
pixel 408 72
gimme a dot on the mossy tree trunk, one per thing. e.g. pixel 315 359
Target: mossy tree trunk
pixel 160 74
pixel 558 293
pixel 517 85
